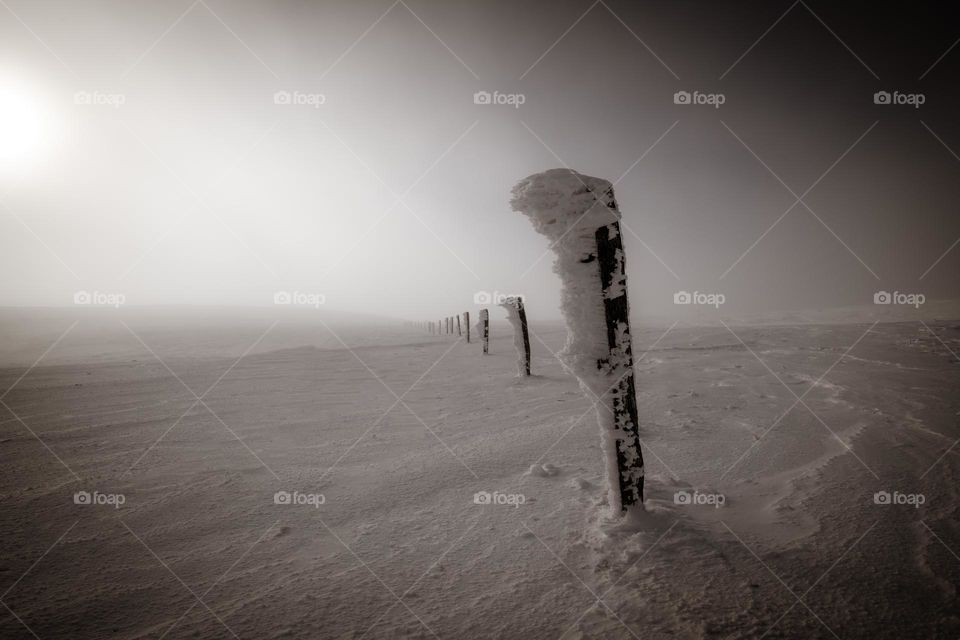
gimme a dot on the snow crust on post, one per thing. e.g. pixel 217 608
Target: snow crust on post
pixel 563 206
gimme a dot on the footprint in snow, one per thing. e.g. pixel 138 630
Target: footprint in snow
pixel 543 470
pixel 583 485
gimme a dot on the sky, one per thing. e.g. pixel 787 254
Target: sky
pixel 145 150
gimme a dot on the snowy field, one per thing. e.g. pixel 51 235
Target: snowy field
pixel 398 435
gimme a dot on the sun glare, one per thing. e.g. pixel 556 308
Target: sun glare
pixel 23 130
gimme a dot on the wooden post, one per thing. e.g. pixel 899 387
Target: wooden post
pixel 610 259
pixel 485 329
pixel 466 323
pixel 459 332
pixel 521 337
pixel 579 215
pixel 526 336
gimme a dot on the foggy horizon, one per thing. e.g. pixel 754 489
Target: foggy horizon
pixel 193 186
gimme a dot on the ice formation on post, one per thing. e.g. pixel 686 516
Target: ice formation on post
pixel 517 316
pixel 579 215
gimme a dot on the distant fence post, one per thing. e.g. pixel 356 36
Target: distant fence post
pixel 485 329
pixel 521 338
pixel 459 332
pixel 466 324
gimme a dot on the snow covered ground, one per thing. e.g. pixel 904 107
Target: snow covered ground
pixel 399 434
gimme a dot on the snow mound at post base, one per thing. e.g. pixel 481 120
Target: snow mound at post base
pixel 568 207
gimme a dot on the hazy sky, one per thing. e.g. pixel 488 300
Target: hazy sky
pixel 184 182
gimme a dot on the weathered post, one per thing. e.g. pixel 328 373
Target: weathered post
pixel 466 324
pixel 579 215
pixel 485 329
pixel 459 332
pixel 517 316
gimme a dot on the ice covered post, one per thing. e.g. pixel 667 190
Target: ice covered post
pixel 579 215
pixel 517 316
pixel 485 329
pixel 466 324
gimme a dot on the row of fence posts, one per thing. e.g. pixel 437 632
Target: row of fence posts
pixel 450 325
pixel 575 261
